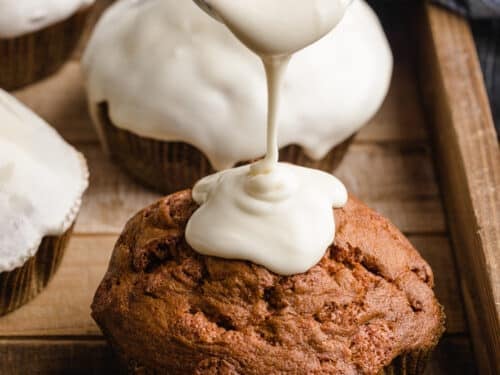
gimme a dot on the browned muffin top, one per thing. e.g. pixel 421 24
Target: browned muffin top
pixel 170 309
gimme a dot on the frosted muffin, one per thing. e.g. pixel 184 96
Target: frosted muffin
pixel 37 37
pixel 366 308
pixel 174 95
pixel 42 180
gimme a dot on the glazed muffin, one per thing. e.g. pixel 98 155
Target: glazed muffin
pixel 37 37
pixel 366 308
pixel 42 180
pixel 174 95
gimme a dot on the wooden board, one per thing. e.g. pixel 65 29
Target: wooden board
pixel 468 156
pixel 390 166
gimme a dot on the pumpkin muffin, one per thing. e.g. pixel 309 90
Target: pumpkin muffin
pixel 366 308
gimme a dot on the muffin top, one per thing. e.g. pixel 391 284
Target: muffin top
pixel 42 180
pixel 167 308
pixel 20 17
pixel 159 65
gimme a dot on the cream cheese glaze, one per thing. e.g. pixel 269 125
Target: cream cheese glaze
pixel 274 214
pixel 19 17
pixel 282 220
pixel 171 73
pixel 42 180
pixel 274 28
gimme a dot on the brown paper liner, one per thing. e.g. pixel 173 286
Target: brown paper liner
pixel 413 363
pixel 34 56
pixel 24 283
pixel 173 166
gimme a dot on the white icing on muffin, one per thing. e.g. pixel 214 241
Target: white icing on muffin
pixel 169 72
pixel 42 180
pixel 19 17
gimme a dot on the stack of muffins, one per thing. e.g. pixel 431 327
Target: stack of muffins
pixel 168 115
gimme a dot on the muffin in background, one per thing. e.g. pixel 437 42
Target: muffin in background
pixel 174 95
pixel 37 38
pixel 42 180
pixel 366 308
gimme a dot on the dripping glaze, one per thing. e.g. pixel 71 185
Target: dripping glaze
pixel 274 214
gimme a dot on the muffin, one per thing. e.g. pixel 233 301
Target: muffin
pixel 37 37
pixel 366 308
pixel 42 180
pixel 174 95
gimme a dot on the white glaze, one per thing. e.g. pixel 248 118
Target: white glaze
pixel 274 28
pixel 273 214
pixel 42 180
pixel 170 72
pixel 283 220
pixel 19 17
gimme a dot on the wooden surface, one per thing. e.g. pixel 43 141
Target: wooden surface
pixel 468 153
pixel 390 167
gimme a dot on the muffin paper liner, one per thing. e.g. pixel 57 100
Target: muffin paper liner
pixel 24 283
pixel 34 56
pixel 413 363
pixel 172 166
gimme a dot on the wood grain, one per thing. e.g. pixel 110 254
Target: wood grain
pixel 469 161
pixel 112 197
pixel 65 108
pixel 397 181
pixel 63 356
pixel 66 356
pixel 401 117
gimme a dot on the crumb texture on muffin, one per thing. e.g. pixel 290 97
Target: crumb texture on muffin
pixel 167 309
